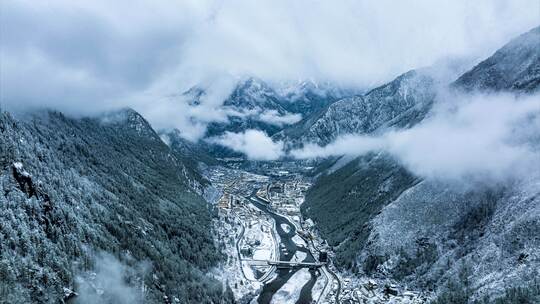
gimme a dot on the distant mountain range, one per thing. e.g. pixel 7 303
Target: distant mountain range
pixel 256 104
pixel 261 106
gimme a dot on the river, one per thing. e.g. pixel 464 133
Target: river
pixel 283 275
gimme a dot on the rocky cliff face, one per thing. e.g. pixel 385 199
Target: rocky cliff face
pixel 78 194
pixel 475 243
pixel 400 103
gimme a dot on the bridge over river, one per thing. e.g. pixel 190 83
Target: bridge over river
pixel 285 268
pixel 284 264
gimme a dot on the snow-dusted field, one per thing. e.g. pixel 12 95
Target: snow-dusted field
pixel 290 292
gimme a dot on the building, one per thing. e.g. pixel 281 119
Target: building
pixel 323 257
pixel 225 202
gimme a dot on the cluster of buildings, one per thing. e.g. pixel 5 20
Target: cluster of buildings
pixel 284 193
pixel 369 291
pixel 287 195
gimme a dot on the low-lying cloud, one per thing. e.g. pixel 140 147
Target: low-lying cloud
pixel 254 144
pixel 274 118
pixel 109 284
pixel 486 136
pixel 93 56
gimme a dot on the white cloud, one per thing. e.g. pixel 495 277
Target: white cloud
pixel 174 111
pixel 86 57
pixel 255 144
pixel 108 283
pixel 273 117
pixel 344 145
pixel 358 42
pixel 483 136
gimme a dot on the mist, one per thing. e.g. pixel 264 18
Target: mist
pixel 108 283
pixel 83 58
pixel 484 137
pixel 255 144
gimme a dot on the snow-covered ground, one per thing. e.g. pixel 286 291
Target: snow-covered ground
pixel 290 292
pixel 259 234
pixel 257 237
pixel 230 272
pixel 286 227
pixel 299 241
pixel 299 256
pixel 258 242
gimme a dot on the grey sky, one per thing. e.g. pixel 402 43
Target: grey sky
pixel 88 56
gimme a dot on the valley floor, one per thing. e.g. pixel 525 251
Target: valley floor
pixel 249 237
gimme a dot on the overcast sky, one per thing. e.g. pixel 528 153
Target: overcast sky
pixel 88 56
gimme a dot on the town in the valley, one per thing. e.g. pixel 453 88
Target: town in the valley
pixel 258 259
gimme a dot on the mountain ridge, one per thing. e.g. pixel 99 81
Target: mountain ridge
pixel 76 188
pixel 431 235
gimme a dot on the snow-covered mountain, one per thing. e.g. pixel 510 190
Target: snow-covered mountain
pixel 477 243
pixel 515 67
pixel 255 104
pixel 401 103
pixel 106 209
pixel 308 96
pixel 86 201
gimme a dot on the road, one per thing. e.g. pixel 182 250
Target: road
pixel 238 239
pixel 330 280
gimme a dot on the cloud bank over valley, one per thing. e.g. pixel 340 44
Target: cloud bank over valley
pixel 98 56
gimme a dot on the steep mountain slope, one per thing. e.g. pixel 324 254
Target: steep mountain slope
pixel 190 152
pixel 466 244
pixel 515 67
pixel 342 203
pixel 400 103
pixel 474 243
pixel 78 194
pixel 360 189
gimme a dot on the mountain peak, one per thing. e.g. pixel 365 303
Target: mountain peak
pixel 130 119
